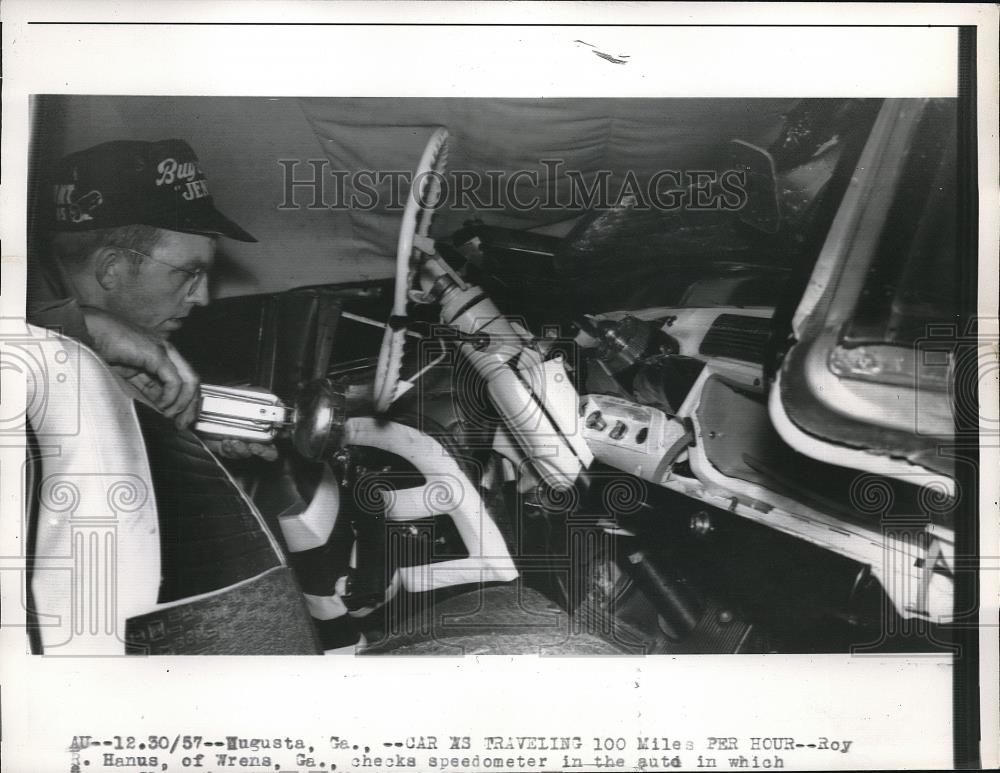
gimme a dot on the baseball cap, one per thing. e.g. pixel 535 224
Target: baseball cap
pixel 129 182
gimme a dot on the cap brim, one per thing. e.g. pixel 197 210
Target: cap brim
pixel 208 221
pixel 218 224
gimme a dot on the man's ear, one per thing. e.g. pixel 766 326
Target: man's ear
pixel 109 265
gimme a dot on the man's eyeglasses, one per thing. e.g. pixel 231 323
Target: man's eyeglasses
pixel 195 276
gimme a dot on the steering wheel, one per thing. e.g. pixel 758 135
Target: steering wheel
pixel 413 243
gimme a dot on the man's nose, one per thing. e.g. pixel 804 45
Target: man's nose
pixel 201 295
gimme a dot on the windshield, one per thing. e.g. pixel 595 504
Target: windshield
pixel 913 282
pixel 633 256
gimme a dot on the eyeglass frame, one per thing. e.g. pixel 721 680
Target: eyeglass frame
pixel 195 276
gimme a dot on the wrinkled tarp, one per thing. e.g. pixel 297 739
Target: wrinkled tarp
pixel 241 142
pixel 641 136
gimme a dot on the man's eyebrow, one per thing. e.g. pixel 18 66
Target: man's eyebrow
pixel 198 262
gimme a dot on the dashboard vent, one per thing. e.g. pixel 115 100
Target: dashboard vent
pixel 737 337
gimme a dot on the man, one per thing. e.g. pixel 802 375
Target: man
pixel 133 238
pixel 115 209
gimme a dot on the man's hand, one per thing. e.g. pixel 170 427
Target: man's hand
pixel 149 362
pixel 233 448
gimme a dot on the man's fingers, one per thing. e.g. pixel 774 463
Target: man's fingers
pixel 186 401
pixel 235 449
pixel 150 389
pixel 180 385
pixel 266 452
pixel 188 415
pixel 125 371
pixel 166 372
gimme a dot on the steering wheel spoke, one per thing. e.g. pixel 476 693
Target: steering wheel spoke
pixel 425 244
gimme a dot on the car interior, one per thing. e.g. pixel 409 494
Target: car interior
pixel 605 430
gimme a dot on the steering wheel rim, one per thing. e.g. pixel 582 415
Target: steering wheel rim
pixel 417 215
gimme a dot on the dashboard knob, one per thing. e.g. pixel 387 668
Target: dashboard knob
pixel 596 421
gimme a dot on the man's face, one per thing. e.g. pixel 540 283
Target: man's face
pixel 167 285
